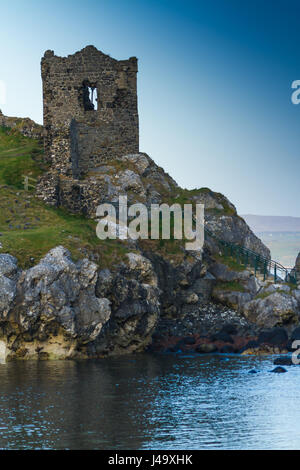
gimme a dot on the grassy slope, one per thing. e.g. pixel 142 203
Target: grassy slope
pixel 28 227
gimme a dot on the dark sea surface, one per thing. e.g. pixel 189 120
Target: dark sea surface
pixel 150 402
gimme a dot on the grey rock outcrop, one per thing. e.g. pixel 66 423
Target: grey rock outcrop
pixel 278 309
pixel 8 277
pixel 134 175
pixel 297 268
pixel 25 126
pixel 51 309
pixel 61 309
pixel 135 304
pixel 233 289
pixel 222 219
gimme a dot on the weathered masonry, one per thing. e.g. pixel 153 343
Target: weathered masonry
pixel 90 110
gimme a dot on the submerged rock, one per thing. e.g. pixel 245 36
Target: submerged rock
pixel 283 361
pixel 279 370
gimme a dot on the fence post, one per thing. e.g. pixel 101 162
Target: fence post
pixel 265 270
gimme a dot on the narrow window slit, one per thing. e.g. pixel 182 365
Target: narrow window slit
pixel 93 97
pixel 90 96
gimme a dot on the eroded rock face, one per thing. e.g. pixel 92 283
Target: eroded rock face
pixel 135 176
pixel 235 300
pixel 233 289
pixel 50 310
pixel 8 277
pixel 278 309
pixel 182 284
pixel 297 268
pixel 135 305
pixel 233 229
pixel 60 309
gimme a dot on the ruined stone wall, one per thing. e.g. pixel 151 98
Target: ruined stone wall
pixel 77 137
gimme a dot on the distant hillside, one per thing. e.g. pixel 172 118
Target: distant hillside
pixel 269 223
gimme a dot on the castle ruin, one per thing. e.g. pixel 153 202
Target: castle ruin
pixel 90 117
pixel 90 109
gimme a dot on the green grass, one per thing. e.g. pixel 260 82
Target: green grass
pixel 29 228
pixel 231 263
pixel 231 286
pixel 263 295
pixel 19 156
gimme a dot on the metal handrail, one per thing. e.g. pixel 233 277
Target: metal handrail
pixel 247 257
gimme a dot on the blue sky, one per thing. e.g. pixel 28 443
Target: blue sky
pixel 214 84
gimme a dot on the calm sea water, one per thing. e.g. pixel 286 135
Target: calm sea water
pixel 149 402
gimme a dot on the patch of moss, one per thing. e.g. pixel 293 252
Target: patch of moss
pixel 230 286
pixel 263 295
pixel 187 196
pixel 230 262
pixel 172 250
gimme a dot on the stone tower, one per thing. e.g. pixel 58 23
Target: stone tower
pixel 90 110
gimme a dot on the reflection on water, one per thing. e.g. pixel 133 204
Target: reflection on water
pixel 149 402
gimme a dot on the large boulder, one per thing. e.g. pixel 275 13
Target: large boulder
pixel 8 266
pixel 62 309
pixel 51 310
pixel 232 299
pixel 278 309
pixel 233 288
pixel 224 274
pixel 56 310
pixel 232 228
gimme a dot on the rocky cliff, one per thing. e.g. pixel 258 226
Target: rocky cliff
pixel 62 309
pixel 153 295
